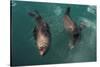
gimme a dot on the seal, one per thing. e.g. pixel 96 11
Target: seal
pixel 72 28
pixel 41 33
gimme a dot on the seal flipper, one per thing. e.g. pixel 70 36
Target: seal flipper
pixel 68 11
pixel 46 30
pixel 35 33
pixel 82 26
pixel 76 36
pixel 35 14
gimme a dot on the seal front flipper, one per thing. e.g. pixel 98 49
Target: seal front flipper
pixel 35 33
pixel 82 26
pixel 46 30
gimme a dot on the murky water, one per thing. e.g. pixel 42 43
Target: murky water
pixel 24 49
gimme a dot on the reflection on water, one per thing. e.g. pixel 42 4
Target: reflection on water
pixel 92 9
pixel 58 10
pixel 24 47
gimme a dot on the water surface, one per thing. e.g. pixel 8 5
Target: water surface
pixel 24 49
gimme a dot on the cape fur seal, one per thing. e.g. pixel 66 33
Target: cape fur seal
pixel 72 28
pixel 41 33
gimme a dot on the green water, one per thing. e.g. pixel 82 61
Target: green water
pixel 24 49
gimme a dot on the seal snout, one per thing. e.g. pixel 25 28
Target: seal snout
pixel 42 51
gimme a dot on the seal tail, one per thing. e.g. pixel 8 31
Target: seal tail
pixel 67 11
pixel 35 14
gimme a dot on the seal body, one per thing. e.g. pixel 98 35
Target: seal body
pixel 72 28
pixel 41 33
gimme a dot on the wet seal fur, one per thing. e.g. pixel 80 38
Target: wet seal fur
pixel 41 33
pixel 72 28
